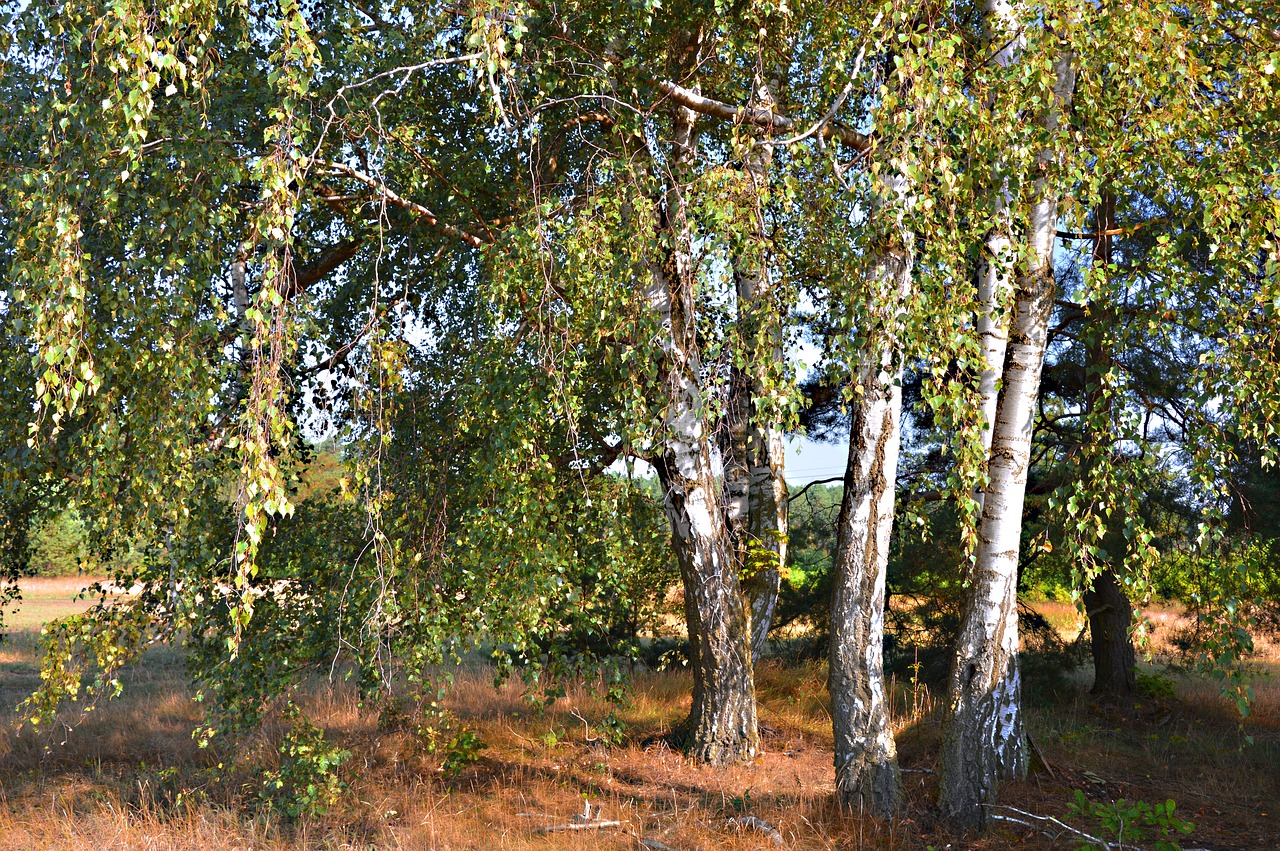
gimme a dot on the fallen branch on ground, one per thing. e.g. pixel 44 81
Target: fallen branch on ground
pixel 653 843
pixel 1101 843
pixel 579 825
pixel 761 825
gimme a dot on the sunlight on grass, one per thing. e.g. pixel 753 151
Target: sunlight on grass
pixel 44 599
pixel 131 771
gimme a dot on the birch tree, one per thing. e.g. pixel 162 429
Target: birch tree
pixel 983 738
pixel 755 455
pixel 982 741
pixel 865 754
pixel 722 721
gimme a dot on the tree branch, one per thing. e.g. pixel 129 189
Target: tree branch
pixel 767 120
pixel 313 273
pixel 388 194
pixel 800 492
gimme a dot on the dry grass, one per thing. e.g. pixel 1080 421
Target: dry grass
pixel 130 776
pixel 44 599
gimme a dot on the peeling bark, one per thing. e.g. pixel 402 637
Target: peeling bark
pixel 983 737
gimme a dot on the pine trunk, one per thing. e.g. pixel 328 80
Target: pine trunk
pixel 1106 605
pixel 1110 615
pixel 983 738
pixel 865 753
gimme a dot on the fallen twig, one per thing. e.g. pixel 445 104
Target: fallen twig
pixel 1019 821
pixel 579 825
pixel 761 825
pixel 586 728
pixel 653 843
pixel 1101 843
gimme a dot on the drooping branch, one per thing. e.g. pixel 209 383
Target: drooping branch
pixel 767 120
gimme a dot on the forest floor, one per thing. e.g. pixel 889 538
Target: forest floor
pixel 129 774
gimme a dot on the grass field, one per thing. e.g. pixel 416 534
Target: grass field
pixel 45 599
pixel 130 776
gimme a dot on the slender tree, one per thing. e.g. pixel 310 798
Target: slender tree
pixel 983 737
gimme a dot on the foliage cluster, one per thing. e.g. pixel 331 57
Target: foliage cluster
pixel 1133 821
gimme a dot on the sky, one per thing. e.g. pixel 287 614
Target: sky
pixel 807 460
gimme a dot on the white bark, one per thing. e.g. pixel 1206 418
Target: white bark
pixel 996 268
pixel 983 738
pixel 995 276
pixel 865 753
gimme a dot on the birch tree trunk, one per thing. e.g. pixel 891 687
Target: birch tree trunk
pixel 721 727
pixel 866 757
pixel 996 267
pixel 983 738
pixel 755 480
pixel 767 528
pixel 722 722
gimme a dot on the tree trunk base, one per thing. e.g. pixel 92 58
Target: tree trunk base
pixel 870 787
pixel 1110 616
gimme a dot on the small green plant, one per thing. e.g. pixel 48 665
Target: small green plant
pixel 307 781
pixel 612 730
pixel 463 750
pixel 1155 685
pixel 741 803
pixel 1133 822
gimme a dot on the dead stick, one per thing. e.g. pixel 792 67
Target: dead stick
pixel 585 825
pixel 1101 843
pixel 761 825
